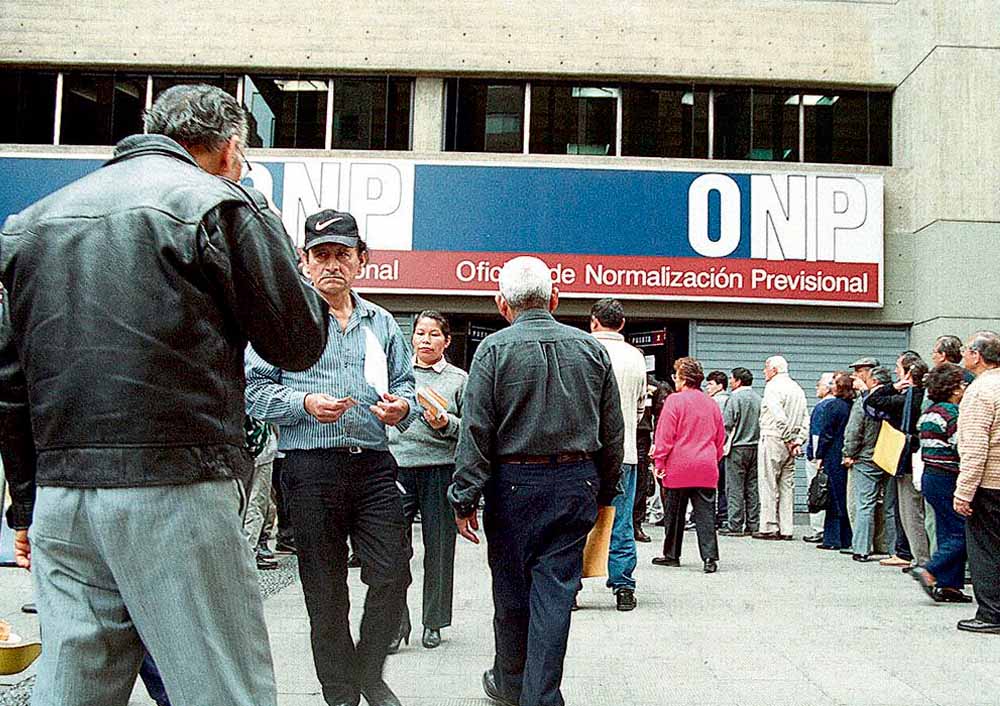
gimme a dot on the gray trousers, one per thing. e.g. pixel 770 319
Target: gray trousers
pixel 742 496
pixel 166 566
pixel 258 500
pixel 910 506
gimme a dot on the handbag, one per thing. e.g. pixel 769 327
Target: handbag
pixel 819 492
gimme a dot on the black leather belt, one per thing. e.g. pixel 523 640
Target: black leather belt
pixel 572 457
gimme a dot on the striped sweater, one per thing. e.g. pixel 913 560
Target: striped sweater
pixel 938 443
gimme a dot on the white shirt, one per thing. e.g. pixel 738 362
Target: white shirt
pixel 629 367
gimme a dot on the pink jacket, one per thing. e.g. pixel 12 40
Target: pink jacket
pixel 689 440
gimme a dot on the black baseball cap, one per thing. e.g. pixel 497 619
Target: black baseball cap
pixel 329 226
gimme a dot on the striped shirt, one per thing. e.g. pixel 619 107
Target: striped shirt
pixel 979 436
pixel 938 436
pixel 369 357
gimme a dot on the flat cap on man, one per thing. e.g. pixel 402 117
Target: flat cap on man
pixel 866 361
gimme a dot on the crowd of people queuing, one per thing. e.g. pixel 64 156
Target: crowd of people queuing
pixel 206 408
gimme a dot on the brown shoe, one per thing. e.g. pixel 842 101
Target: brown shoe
pixel 641 536
pixel 894 561
pixel 766 535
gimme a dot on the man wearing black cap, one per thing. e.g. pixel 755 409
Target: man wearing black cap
pixel 338 474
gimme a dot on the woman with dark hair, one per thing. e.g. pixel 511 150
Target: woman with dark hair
pixel 425 453
pixel 688 445
pixel 944 575
pixel 829 457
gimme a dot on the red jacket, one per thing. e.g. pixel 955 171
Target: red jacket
pixel 689 440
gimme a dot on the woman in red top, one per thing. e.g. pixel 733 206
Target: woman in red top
pixel 688 444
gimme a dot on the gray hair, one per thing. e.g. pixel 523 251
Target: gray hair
pixel 526 283
pixel 197 116
pixel 777 362
pixel 881 375
pixel 987 344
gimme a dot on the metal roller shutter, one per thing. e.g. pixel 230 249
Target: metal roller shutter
pixel 810 351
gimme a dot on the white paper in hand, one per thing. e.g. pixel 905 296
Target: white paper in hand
pixel 376 364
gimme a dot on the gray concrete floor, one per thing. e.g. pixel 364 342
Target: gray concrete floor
pixel 781 623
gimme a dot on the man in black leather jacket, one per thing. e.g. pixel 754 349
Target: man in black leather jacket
pixel 131 296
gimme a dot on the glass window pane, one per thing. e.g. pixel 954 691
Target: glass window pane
pixel 164 81
pixel 880 128
pixel 29 106
pixel 101 108
pixel 286 111
pixel 487 116
pixel 732 123
pixel 371 113
pixel 775 132
pixel 568 119
pixel 836 127
pixel 664 121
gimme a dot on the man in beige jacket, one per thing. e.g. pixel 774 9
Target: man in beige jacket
pixel 784 425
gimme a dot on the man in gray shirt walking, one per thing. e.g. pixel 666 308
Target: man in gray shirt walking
pixel 741 417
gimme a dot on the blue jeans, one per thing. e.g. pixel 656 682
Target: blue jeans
pixel 536 521
pixel 150 676
pixel 868 478
pixel 948 562
pixel 622 554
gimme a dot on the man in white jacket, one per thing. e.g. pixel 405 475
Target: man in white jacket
pixel 784 425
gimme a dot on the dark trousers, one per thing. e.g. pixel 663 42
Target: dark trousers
pixel 333 495
pixel 675 502
pixel 982 536
pixel 837 527
pixel 426 489
pixel 536 521
pixel 948 562
pixel 722 505
pixel 644 485
pixel 150 675
pixel 285 533
pixel 743 502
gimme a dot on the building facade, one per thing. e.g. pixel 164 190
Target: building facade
pixel 816 178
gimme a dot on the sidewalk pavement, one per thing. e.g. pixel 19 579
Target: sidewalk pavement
pixel 780 624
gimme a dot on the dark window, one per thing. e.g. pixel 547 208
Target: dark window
pixel 880 128
pixel 286 112
pixel 29 106
pixel 775 127
pixel 836 127
pixel 164 81
pixel 732 123
pixel 567 119
pixel 101 108
pixel 484 116
pixel 371 113
pixel 664 121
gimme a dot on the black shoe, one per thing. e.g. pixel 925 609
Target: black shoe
pixel 731 533
pixel 711 566
pixel 977 625
pixel 403 635
pixel 786 537
pixel 944 594
pixel 266 564
pixel 286 546
pixel 379 694
pixel 29 608
pixel 813 538
pixel 847 551
pixel 641 536
pixel 827 547
pixel 264 552
pixel 664 561
pixel 766 535
pixel 492 692
pixel 431 638
pixel 861 557
pixel 353 562
pixel 625 599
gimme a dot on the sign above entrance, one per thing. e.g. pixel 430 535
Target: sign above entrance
pixel 448 227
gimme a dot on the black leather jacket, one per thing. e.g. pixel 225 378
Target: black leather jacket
pixel 131 296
